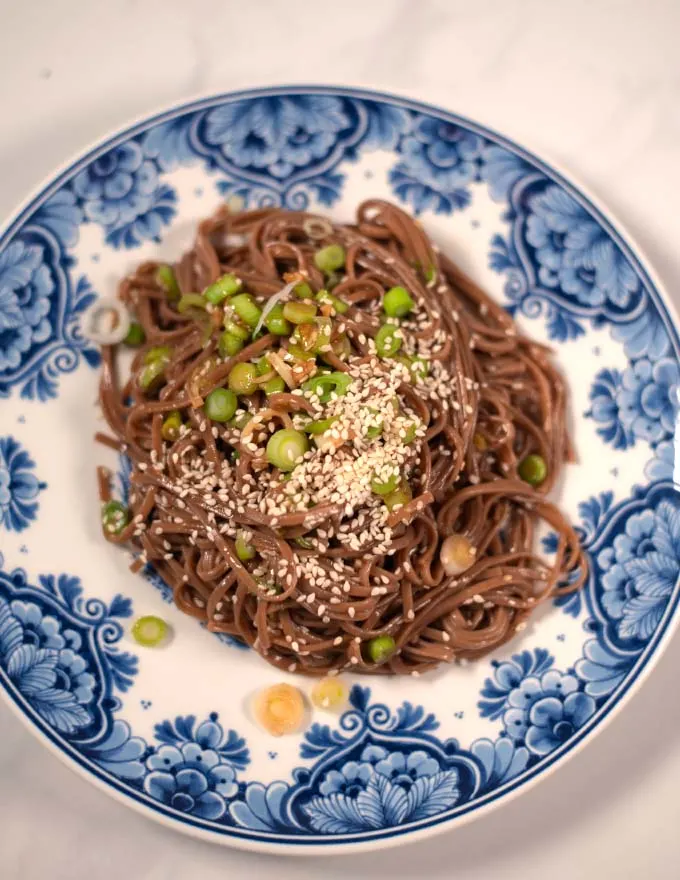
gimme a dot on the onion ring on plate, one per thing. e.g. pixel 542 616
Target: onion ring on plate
pixel 93 324
pixel 317 227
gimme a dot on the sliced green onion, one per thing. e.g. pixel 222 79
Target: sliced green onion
pixel 165 276
pixel 305 543
pixel 115 516
pixel 221 404
pixel 387 343
pixel 318 426
pixel 332 280
pixel 149 631
pixel 341 347
pixel 306 336
pixel 172 424
pixel 229 344
pixel 324 296
pixel 410 434
pixel 299 313
pixel 268 587
pixel 242 378
pixel 157 353
pixel 430 274
pixel 376 429
pixel 263 366
pixel 299 352
pixel 303 290
pixel 419 367
pixel 324 386
pixel 274 386
pixel 152 373
pixel 330 258
pixel 190 301
pixel 533 469
pixel 286 448
pixel 237 329
pixel 244 550
pixel 397 302
pixel 381 648
pixel 385 487
pixel 135 335
pixel 325 326
pixel 225 286
pixel 276 323
pixel 241 420
pixel 246 308
pixel 399 497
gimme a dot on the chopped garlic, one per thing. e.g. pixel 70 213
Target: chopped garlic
pixel 457 554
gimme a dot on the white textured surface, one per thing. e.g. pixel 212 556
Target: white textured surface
pixel 594 86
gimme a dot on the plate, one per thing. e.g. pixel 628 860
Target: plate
pixel 167 731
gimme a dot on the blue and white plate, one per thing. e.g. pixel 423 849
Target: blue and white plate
pixel 167 731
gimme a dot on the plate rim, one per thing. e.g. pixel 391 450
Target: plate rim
pixel 393 836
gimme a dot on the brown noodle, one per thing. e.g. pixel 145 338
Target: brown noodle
pixel 335 593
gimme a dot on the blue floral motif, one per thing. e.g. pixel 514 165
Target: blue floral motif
pixel 645 335
pixel 666 463
pixel 605 398
pixel 39 311
pixel 543 710
pixel 379 769
pixel 502 169
pixel 376 768
pixel 575 254
pixel 649 398
pixel 278 134
pixel 120 191
pixel 196 773
pixel 25 290
pixel 386 124
pixel 602 667
pixel 383 790
pixel 561 323
pixel 554 721
pixel 19 486
pixel 61 216
pixel 640 570
pixel 52 648
pixel 559 262
pixel 640 403
pixel 438 162
pixel 509 675
pixel 269 145
pixel 170 144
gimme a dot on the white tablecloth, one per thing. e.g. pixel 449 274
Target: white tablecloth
pixel 594 86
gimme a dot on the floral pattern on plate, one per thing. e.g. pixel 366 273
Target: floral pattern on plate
pixel 384 766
